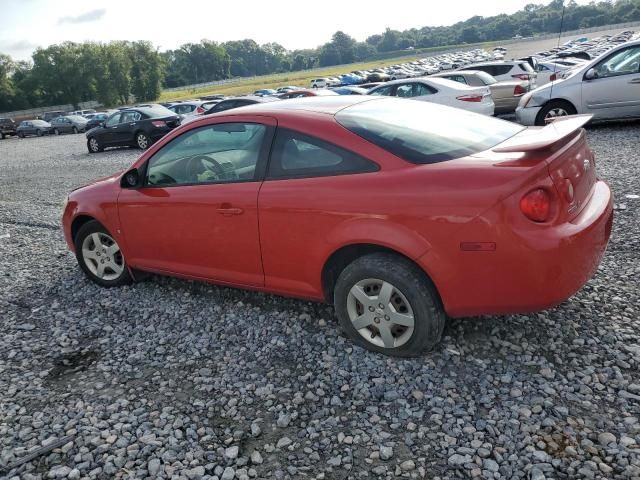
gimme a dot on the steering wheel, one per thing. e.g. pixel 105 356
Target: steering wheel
pixel 161 178
pixel 215 167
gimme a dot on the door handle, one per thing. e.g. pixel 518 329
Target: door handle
pixel 227 210
pixel 635 80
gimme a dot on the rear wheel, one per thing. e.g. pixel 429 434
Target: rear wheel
pixel 99 256
pixel 39 133
pixel 142 141
pixel 75 130
pixel 20 134
pixel 386 304
pixel 56 131
pixel 554 109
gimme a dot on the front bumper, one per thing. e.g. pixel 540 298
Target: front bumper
pixel 527 116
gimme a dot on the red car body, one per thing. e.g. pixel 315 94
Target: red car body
pixel 460 220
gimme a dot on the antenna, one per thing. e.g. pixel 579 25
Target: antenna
pixel 559 37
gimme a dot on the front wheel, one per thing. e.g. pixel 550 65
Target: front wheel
pixel 39 133
pixel 554 109
pixel 99 256
pixel 75 130
pixel 142 141
pixel 386 304
pixel 56 131
pixel 93 145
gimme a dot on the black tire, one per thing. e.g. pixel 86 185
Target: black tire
pixel 142 141
pixel 94 147
pixel 560 105
pixel 429 316
pixel 86 230
pixel 1 135
pixel 75 130
pixel 56 131
pixel 20 135
pixel 39 133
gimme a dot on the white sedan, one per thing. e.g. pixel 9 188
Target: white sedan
pixel 442 91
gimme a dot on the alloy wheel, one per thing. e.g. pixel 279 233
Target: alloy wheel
pixel 102 256
pixel 556 112
pixel 142 140
pixel 380 313
pixel 93 143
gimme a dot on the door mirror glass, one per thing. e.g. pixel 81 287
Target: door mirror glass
pixel 131 179
pixel 591 74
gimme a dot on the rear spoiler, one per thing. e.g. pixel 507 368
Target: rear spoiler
pixel 538 139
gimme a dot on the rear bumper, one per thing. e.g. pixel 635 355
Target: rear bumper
pixel 530 270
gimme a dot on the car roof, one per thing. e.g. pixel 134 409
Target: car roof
pixel 319 104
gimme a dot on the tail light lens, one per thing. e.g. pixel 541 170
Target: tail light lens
pixel 199 110
pixel 536 205
pixel 553 77
pixel 470 98
pixel 159 123
pixel 522 76
pixel 519 90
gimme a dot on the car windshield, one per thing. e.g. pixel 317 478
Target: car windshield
pixel 422 132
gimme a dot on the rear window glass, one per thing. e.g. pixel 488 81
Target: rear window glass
pixel 422 132
pixel 526 67
pixel 158 111
pixel 486 78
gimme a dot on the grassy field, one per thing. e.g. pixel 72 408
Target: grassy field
pixel 302 78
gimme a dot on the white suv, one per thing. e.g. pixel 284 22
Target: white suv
pixel 607 87
pixel 508 71
pixel 319 83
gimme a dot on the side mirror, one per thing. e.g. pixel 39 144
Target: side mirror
pixel 131 179
pixel 591 74
pixel 102 124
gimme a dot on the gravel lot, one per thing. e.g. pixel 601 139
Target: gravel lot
pixel 175 379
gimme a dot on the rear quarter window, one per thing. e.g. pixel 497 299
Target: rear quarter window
pixel 422 132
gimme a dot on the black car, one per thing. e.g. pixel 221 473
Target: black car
pixel 7 127
pixel 230 103
pixel 136 126
pixel 33 127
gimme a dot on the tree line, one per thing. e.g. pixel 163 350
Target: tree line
pixel 116 72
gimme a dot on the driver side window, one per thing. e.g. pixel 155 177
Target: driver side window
pixel 220 153
pixel 113 120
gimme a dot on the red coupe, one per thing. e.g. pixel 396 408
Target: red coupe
pixel 397 212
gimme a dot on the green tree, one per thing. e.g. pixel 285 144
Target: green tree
pixel 146 71
pixel 389 41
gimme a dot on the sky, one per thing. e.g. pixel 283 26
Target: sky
pixel 27 24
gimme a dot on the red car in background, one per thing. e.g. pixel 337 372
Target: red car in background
pixel 397 212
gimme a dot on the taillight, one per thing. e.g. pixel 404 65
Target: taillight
pixel 536 205
pixel 158 123
pixel 519 90
pixel 553 77
pixel 199 110
pixel 521 76
pixel 470 98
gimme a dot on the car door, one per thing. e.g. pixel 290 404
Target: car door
pixel 107 134
pixel 197 211
pixel 614 92
pixel 124 130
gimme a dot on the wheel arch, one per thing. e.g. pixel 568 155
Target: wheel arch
pixel 78 222
pixel 343 256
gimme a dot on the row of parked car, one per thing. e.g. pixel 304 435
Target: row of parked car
pixel 538 88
